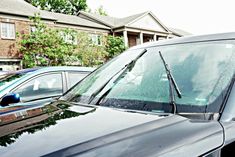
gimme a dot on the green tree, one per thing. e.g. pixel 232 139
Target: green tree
pixel 114 45
pixel 45 46
pixel 71 7
pixel 89 53
pixel 101 11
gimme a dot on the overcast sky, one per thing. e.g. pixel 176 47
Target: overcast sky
pixel 194 16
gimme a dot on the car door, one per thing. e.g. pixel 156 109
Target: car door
pixel 44 86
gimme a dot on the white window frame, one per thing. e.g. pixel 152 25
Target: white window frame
pixel 33 29
pixel 10 30
pixel 96 39
pixel 68 38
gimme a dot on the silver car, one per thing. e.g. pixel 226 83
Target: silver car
pixel 39 84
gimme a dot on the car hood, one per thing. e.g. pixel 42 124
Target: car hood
pixel 60 129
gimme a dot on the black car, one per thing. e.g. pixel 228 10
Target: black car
pixel 168 98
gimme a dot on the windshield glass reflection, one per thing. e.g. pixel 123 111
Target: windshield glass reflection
pixel 8 79
pixel 203 72
pixel 12 126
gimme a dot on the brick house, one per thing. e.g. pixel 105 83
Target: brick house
pixel 135 29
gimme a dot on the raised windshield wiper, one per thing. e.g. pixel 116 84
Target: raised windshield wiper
pixel 128 67
pixel 172 84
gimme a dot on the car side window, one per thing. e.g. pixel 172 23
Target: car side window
pixel 48 85
pixel 74 77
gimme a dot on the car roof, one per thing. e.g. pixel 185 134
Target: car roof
pixel 52 68
pixel 189 39
pixel 65 68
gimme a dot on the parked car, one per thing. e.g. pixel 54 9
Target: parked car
pixel 29 86
pixel 168 98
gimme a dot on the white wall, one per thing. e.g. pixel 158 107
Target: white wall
pixel 147 22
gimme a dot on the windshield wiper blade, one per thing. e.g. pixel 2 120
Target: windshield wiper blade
pixel 172 84
pixel 128 67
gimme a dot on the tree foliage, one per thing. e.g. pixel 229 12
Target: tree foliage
pixel 89 53
pixel 101 11
pixel 71 7
pixel 48 46
pixel 45 46
pixel 114 45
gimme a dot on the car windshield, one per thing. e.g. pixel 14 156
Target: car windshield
pixel 203 71
pixel 8 79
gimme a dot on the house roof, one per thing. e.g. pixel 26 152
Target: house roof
pixel 111 21
pixel 179 32
pixel 126 20
pixel 114 22
pixel 21 8
pixel 75 20
pixel 106 20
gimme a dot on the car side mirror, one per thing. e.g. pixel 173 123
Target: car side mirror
pixel 10 99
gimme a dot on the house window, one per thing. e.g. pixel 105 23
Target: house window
pixel 33 29
pixel 21 114
pixel 96 39
pixel 69 38
pixel 7 30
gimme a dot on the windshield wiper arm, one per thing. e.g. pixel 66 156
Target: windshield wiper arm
pixel 129 66
pixel 172 84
